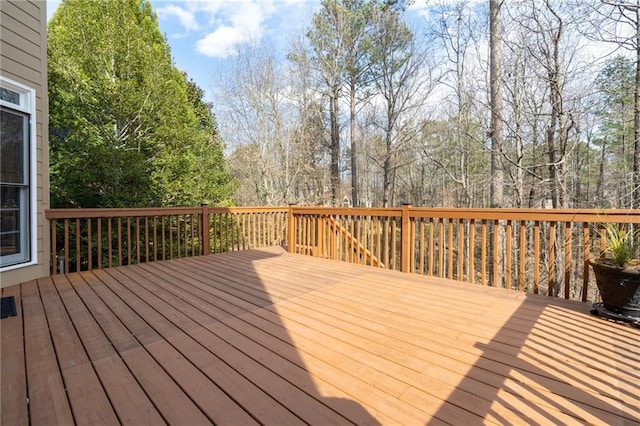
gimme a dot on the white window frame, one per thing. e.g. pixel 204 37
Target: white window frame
pixel 27 105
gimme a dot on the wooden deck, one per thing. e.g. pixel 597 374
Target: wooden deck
pixel 279 339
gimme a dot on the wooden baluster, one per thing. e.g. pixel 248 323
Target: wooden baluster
pixel 483 252
pixel 450 249
pixel 567 259
pixel 551 286
pixel 441 248
pixel 119 219
pixel 461 240
pixel 54 248
pixel 78 252
pixel 586 243
pixel 138 239
pixel 472 251
pixel 536 257
pixel 99 231
pixel 523 252
pixel 508 254
pixel 89 245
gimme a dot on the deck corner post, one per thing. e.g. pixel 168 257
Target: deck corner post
pixel 205 236
pixel 405 239
pixel 291 231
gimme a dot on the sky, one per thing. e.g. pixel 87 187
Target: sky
pixel 203 34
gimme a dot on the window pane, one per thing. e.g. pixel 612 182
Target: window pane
pixel 10 219
pixel 9 96
pixel 13 145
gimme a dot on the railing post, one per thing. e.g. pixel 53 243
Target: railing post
pixel 291 231
pixel 405 240
pixel 205 235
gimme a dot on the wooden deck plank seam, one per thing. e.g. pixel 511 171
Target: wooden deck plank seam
pixel 146 301
pixel 123 355
pixel 138 283
pixel 281 326
pixel 307 335
pixel 144 346
pixel 55 302
pixel 14 409
pixel 55 353
pixel 111 344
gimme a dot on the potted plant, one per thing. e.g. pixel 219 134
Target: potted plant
pixel 618 274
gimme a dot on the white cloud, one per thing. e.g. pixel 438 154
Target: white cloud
pixel 234 22
pixel 187 18
pixel 219 27
pixel 221 43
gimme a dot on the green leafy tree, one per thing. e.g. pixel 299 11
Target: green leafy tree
pixel 125 132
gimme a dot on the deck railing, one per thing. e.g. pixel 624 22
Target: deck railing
pixel 531 250
pixel 85 239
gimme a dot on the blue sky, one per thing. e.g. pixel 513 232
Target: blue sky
pixel 202 34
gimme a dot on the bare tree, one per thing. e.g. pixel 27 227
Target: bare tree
pixel 327 39
pixel 457 29
pixel 400 80
pixel 257 128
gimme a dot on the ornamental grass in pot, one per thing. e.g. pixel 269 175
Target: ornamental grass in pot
pixel 618 273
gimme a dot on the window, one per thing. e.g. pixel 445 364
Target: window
pixel 17 175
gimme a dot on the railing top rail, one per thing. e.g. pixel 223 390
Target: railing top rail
pixel 346 211
pixel 153 211
pixel 119 212
pixel 549 215
pixel 248 209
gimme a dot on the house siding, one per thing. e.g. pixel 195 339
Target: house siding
pixel 23 58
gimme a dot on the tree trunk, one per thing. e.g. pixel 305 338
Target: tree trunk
pixel 497 167
pixel 354 149
pixel 495 71
pixel 335 145
pixel 635 199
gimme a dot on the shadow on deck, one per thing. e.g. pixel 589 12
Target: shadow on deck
pixel 267 337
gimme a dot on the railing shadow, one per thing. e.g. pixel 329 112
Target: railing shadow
pixel 548 369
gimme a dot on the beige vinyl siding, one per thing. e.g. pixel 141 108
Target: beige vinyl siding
pixel 23 58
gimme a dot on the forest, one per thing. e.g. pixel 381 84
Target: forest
pixel 523 103
pixel 520 103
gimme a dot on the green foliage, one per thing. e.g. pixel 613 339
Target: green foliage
pixel 128 129
pixel 622 246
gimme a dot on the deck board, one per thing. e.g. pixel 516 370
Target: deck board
pixel 129 400
pixel 46 397
pixel 12 366
pixel 89 402
pixel 267 337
